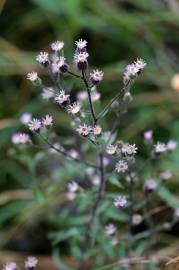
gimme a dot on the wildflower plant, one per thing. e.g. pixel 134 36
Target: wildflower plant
pixel 103 222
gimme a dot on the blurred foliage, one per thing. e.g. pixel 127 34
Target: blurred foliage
pixel 118 31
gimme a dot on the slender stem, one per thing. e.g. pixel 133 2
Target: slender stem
pixel 131 209
pixel 87 241
pixel 121 92
pixel 74 74
pixel 89 97
pixel 62 152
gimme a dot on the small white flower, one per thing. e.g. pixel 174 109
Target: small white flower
pixel 96 76
pixel 42 58
pixel 111 149
pixel 150 185
pixel 120 201
pixel 129 149
pixel 47 120
pixel 171 145
pixel 58 63
pixel 61 97
pixel 131 71
pixel 96 180
pixel 84 130
pixel 73 187
pixel 34 124
pixel 20 138
pixel 82 96
pixel 25 118
pixel 47 93
pixel 110 229
pixel 121 166
pixel 81 44
pixel 81 57
pixel 74 108
pixel 95 96
pixel 136 219
pixel 166 175
pixel 31 262
pixel 140 63
pixel 97 130
pixel 160 148
pixel 10 266
pixel 57 45
pixel 32 76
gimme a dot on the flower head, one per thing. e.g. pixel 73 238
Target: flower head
pixel 20 138
pixel 32 76
pixel 97 130
pixel 129 149
pixel 34 124
pixel 47 93
pixel 31 263
pixel 131 71
pixel 59 64
pixel 96 76
pixel 136 219
pixel 171 146
pixel 61 97
pixel 57 46
pixel 140 63
pixel 84 130
pixel 42 58
pixel 120 201
pixel 111 149
pixel 47 120
pixel 81 44
pixel 148 135
pixel 166 175
pixel 110 229
pixel 80 59
pixel 150 185
pixel 159 148
pixel 74 108
pixel 121 166
pixel 25 118
pixel 10 266
pixel 73 186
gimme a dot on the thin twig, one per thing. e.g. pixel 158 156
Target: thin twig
pixel 89 98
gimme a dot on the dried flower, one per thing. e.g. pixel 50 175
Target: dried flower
pixel 150 185
pixel 80 59
pixel 110 229
pixel 47 120
pixel 57 46
pixel 20 138
pixel 61 97
pixel 148 135
pixel 121 166
pixel 96 76
pixel 34 124
pixel 73 186
pixel 25 118
pixel 10 266
pixel 74 108
pixel 97 130
pixel 31 263
pixel 84 130
pixel 129 149
pixel 47 93
pixel 120 201
pixel 171 146
pixel 111 149
pixel 42 58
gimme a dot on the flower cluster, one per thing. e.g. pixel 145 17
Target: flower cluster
pixel 134 69
pixel 30 264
